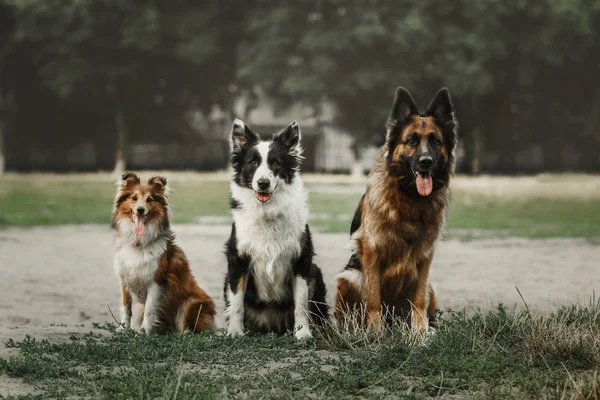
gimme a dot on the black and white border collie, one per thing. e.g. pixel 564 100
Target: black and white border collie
pixel 271 284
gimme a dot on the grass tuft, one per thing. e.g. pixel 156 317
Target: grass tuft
pixel 500 354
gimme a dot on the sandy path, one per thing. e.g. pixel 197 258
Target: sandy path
pixel 64 275
pixel 57 276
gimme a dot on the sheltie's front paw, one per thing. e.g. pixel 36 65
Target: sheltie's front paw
pixel 147 328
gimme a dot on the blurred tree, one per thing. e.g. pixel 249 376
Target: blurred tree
pixel 497 58
pixel 132 55
pixel 7 81
pixel 523 75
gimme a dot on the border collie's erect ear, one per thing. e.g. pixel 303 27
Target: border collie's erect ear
pixel 241 136
pixel 290 137
pixel 129 178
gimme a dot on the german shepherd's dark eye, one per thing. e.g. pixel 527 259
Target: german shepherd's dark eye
pixel 149 200
pixel 435 142
pixel 134 198
pixel 254 163
pixel 411 142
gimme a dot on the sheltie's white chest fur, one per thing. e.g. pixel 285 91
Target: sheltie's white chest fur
pixel 137 265
pixel 271 234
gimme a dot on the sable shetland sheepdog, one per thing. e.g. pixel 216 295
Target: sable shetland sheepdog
pixel 401 215
pixel 271 284
pixel 159 291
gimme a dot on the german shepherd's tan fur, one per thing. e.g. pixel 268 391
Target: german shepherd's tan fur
pixel 400 218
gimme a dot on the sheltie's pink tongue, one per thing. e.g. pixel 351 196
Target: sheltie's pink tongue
pixel 424 184
pixel 138 225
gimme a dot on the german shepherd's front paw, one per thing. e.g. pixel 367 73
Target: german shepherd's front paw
pixel 374 321
pixel 419 323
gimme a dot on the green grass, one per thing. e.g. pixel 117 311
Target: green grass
pixel 32 202
pixel 536 218
pixel 499 355
pixel 35 202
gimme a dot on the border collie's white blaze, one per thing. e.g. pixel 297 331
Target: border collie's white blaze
pixel 271 280
pixel 158 289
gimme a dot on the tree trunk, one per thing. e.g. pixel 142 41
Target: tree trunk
pixel 120 162
pixel 357 168
pixel 2 157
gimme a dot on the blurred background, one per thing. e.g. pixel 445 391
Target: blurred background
pixel 115 84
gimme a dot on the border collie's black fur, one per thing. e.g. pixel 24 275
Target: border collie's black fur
pixel 271 284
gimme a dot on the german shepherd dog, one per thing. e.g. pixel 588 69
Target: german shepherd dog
pixel 400 217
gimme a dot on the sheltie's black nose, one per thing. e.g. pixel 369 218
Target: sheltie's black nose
pixel 263 184
pixel 141 210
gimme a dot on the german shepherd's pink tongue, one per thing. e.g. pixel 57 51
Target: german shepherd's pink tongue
pixel 138 225
pixel 424 184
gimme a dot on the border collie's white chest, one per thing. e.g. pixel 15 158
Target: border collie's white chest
pixel 271 234
pixel 137 266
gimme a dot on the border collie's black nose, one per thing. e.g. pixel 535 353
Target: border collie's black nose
pixel 263 184
pixel 425 161
pixel 140 210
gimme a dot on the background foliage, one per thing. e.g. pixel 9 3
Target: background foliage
pixel 521 73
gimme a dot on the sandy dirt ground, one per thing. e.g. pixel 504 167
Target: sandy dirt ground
pixel 60 280
pixel 64 275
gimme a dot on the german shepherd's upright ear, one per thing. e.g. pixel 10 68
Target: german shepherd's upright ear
pixel 404 106
pixel 442 110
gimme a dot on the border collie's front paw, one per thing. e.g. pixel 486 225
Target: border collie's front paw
pixel 303 333
pixel 121 328
pixel 235 330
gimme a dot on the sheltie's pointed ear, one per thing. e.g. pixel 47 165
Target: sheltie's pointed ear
pixel 160 190
pixel 125 185
pixel 403 107
pixel 241 136
pixel 158 182
pixel 129 179
pixel 290 137
pixel 442 109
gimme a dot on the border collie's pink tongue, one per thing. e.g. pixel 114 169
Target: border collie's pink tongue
pixel 263 197
pixel 424 184
pixel 138 225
